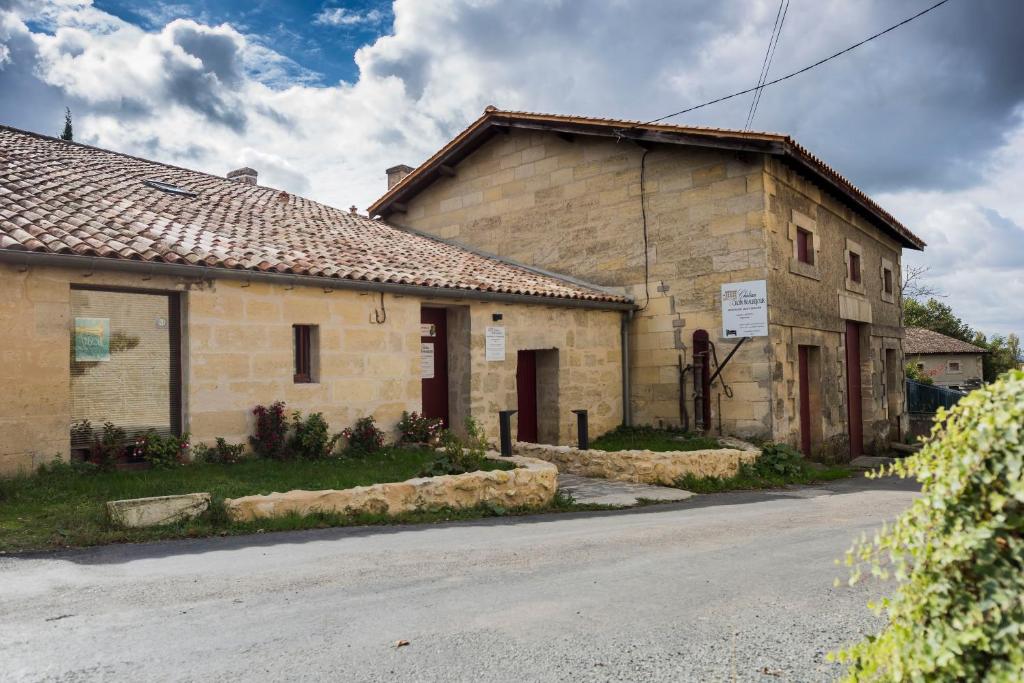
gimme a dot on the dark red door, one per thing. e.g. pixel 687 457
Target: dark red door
pixel 853 389
pixel 434 353
pixel 805 400
pixel 526 387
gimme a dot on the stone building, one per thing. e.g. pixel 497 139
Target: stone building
pixel 157 297
pixel 668 215
pixel 950 363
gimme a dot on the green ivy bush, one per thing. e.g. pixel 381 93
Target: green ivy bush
pixel 311 437
pixel 778 460
pixel 458 456
pixel 958 613
pixel 161 451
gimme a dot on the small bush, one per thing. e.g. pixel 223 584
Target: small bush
pixel 105 449
pixel 958 614
pixel 311 437
pixel 364 437
pixel 779 460
pixel 270 439
pixel 459 456
pixel 417 428
pixel 221 453
pixel 161 451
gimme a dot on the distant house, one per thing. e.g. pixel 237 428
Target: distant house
pixel 950 362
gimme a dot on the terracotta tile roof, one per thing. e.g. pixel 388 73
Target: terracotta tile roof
pixel 774 143
pixel 67 198
pixel 918 340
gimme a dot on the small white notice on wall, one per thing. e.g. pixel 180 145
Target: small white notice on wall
pixel 745 309
pixel 495 338
pixel 426 361
pixel 427 330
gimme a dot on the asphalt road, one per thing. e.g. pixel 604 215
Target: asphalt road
pixel 723 587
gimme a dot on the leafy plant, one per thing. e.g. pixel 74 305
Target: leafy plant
pixel 161 451
pixel 779 460
pixel 417 428
pixel 311 437
pixel 270 439
pixel 364 437
pixel 958 552
pixel 918 375
pixel 105 449
pixel 221 453
pixel 458 456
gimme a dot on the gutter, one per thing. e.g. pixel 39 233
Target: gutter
pixel 89 264
pixel 627 409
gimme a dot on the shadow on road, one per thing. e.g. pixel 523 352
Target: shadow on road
pixel 121 553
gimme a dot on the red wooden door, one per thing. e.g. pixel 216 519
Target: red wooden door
pixel 434 352
pixel 805 400
pixel 526 388
pixel 853 389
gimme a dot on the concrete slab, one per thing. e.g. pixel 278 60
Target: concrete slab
pixel 142 512
pixel 619 493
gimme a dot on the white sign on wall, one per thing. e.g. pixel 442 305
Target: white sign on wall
pixel 428 330
pixel 745 309
pixel 495 343
pixel 426 361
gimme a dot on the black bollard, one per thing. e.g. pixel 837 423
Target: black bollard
pixel 582 432
pixel 505 431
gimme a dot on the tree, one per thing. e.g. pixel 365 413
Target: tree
pixel 914 286
pixel 938 317
pixel 957 614
pixel 68 133
pixel 1003 354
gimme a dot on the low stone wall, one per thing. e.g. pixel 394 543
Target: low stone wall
pixel 143 512
pixel 643 467
pixel 532 483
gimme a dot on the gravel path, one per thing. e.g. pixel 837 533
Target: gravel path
pixel 723 587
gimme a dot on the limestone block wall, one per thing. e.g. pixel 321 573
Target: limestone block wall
pixel 574 207
pixel 810 305
pixel 641 467
pixel 532 483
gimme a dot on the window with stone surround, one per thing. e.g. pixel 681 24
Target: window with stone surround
pixel 953 366
pixel 803 233
pixel 888 281
pixel 854 269
pixel 305 341
pixel 855 266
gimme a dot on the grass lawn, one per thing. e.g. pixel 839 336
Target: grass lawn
pixel 652 439
pixel 64 508
pixel 750 479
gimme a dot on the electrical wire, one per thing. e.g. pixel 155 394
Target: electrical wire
pixel 803 70
pixel 770 58
pixel 764 63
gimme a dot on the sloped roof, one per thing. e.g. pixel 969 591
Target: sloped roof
pixel 66 198
pixel 918 340
pixel 770 143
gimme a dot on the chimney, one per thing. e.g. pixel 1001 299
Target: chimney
pixel 396 173
pixel 243 175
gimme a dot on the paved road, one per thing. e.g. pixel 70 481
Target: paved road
pixel 723 587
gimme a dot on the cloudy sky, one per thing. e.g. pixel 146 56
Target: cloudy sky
pixel 320 97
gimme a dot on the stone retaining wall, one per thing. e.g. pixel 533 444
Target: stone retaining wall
pixel 643 467
pixel 532 483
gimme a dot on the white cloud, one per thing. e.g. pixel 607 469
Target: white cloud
pixel 925 118
pixel 340 16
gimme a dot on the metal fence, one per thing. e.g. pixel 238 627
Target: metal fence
pixel 924 398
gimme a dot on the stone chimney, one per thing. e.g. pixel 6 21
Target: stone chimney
pixel 396 173
pixel 243 175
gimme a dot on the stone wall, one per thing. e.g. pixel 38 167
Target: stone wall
pixel 574 207
pixel 641 467
pixel 237 352
pixel 533 483
pixel 809 305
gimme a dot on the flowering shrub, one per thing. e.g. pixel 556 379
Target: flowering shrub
pixel 311 437
pixel 161 451
pixel 416 428
pixel 222 453
pixel 270 439
pixel 104 449
pixel 958 551
pixel 364 436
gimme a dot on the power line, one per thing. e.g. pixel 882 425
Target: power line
pixel 806 68
pixel 768 67
pixel 770 50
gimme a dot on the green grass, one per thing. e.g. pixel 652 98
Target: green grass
pixel 63 508
pixel 749 479
pixel 652 439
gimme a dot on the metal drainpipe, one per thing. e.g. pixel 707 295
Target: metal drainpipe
pixel 627 411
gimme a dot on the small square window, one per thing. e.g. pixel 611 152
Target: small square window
pixel 920 367
pixel 804 246
pixel 954 366
pixel 887 281
pixel 854 266
pixel 305 338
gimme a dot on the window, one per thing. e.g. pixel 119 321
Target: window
pixel 305 348
pixel 954 366
pixel 920 367
pixel 854 266
pixel 804 246
pixel 887 281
